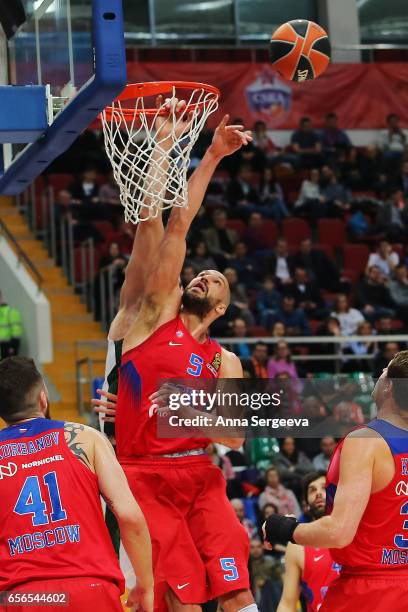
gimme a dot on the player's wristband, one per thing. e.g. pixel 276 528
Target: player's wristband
pixel 279 529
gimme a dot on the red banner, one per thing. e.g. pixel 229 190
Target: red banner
pixel 361 94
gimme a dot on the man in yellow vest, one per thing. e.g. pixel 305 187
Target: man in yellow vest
pixel 11 329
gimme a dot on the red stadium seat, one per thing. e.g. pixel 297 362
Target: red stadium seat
pixel 270 232
pixel 295 230
pixel 326 248
pixel 60 181
pixel 355 256
pixel 332 231
pixel 237 225
pixel 351 275
pixel 106 229
pixel 257 330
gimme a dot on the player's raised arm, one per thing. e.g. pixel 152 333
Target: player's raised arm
pixel 291 582
pixel 231 367
pixel 133 528
pixel 165 269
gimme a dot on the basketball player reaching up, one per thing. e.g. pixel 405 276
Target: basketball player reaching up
pixel 53 538
pixel 308 569
pixel 200 551
pixel 367 485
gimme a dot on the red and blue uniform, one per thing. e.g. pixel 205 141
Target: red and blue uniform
pixel 52 531
pixel 200 549
pixel 319 571
pixel 374 573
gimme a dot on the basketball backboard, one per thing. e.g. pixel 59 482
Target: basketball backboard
pixel 69 56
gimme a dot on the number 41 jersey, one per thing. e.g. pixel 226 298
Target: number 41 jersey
pixel 51 520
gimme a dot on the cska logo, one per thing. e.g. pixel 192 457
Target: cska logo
pixel 7 470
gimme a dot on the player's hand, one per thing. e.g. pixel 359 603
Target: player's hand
pixel 140 600
pixel 174 120
pixel 229 138
pixel 106 408
pixel 160 399
pixel 278 529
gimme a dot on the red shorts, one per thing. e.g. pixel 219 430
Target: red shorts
pixel 366 594
pixel 82 594
pixel 200 549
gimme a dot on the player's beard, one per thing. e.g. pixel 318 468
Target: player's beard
pixel 199 306
pixel 316 513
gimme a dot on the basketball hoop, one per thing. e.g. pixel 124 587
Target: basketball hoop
pixel 153 177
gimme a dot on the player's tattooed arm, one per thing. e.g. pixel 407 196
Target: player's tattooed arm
pixel 72 432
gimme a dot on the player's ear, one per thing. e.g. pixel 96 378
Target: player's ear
pixel 43 401
pixel 220 309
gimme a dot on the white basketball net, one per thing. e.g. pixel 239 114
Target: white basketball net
pixel 152 177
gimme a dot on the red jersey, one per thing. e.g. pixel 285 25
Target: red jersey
pixel 318 573
pixel 51 520
pixel 380 545
pixel 170 352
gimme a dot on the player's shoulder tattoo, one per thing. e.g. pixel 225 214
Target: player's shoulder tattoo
pixel 71 432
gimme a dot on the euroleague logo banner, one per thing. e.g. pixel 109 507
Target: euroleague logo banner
pixel 254 91
pixel 269 98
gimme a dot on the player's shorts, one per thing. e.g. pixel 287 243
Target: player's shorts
pixel 82 594
pixel 200 549
pixel 350 593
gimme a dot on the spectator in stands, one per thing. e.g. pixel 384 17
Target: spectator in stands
pixel 337 197
pixel 268 299
pixel 349 318
pixel 187 274
pixel 318 265
pixel 271 198
pixel 392 217
pixel 292 465
pixel 333 139
pixel 279 263
pixel 263 142
pixel 311 202
pixel 11 329
pixel 402 179
pixel 113 257
pixel 265 573
pixel 369 163
pixel 238 296
pixel 277 494
pixel 248 525
pixel 222 461
pixel 306 293
pixel 256 238
pixel 385 327
pixel 372 295
pixel 85 188
pixel 220 240
pixel 267 510
pixel 294 319
pixel 384 258
pixel 200 258
pixel 240 330
pixel 393 139
pixel 241 193
pixel 244 265
pixel 278 330
pixel 398 288
pixel 384 357
pixel 306 144
pixel 256 365
pixel 359 347
pixel 109 192
pixel 346 415
pixel 322 460
pixel 330 327
pixel 282 362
